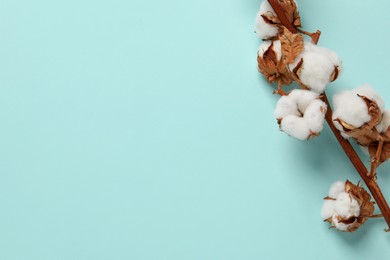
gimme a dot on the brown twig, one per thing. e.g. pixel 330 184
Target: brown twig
pixel 345 144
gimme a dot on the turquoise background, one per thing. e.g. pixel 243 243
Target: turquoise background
pixel 142 130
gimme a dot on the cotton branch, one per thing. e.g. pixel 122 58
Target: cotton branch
pixel 369 179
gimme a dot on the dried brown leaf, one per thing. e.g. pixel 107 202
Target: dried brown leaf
pixel 291 11
pixel 292 45
pixel 273 69
pixel 363 198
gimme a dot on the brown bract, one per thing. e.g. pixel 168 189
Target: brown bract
pixel 276 70
pixel 366 205
pixel 292 45
pixel 272 68
pixel 291 12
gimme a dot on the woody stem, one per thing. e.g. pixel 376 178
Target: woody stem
pixel 345 144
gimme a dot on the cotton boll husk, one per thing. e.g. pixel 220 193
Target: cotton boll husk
pixel 350 108
pixel 264 30
pixel 369 92
pixel 295 126
pixel 315 115
pixel 327 210
pixel 384 123
pixel 284 107
pixel 336 188
pixel 346 206
pixel 339 225
pixel 276 46
pixel 302 98
pixel 263 47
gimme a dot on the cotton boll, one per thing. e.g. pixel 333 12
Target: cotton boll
pixel 314 115
pixel 350 108
pixel 346 206
pixel 384 123
pixel 302 98
pixel 369 92
pixel 336 188
pixel 295 126
pixel 317 68
pixel 284 107
pixel 327 209
pixel 264 30
pixel 316 71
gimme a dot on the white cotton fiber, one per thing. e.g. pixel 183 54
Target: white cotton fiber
pixel 316 71
pixel 317 67
pixel 262 29
pixel 384 123
pixel 336 188
pixel 327 210
pixel 350 108
pixel 284 107
pixel 315 115
pixel 330 54
pixel 346 206
pixel 301 113
pixel 302 98
pixel 295 126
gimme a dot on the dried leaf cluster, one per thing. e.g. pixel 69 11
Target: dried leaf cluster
pixel 291 11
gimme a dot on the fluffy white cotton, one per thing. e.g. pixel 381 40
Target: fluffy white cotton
pixel 262 29
pixel 302 98
pixel 336 188
pixel 276 46
pixel 301 113
pixel 384 123
pixel 330 54
pixel 284 107
pixel 352 109
pixel 315 115
pixel 317 68
pixel 327 210
pixel 346 206
pixel 295 126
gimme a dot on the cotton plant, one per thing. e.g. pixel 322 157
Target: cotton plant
pixel 359 115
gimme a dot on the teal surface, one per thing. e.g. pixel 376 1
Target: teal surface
pixel 142 130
